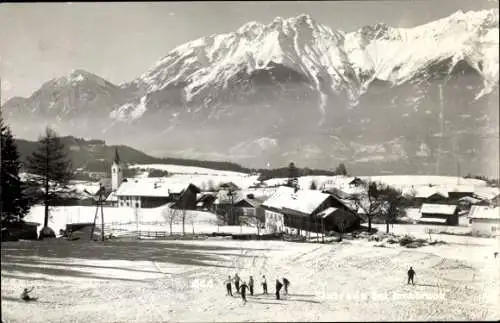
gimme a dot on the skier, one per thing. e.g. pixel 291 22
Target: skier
pixel 264 284
pixel 286 283
pixel 25 295
pixel 495 254
pixel 250 285
pixel 237 282
pixel 244 287
pixel 411 275
pixel 278 288
pixel 228 286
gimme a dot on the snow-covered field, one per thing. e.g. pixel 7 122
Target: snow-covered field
pixel 402 182
pixel 177 169
pixel 124 220
pixel 150 281
pixel 202 177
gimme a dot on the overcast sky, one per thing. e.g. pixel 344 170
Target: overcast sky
pixel 120 41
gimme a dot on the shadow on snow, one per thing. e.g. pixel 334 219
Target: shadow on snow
pixel 18 256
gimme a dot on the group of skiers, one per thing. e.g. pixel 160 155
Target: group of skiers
pixel 241 286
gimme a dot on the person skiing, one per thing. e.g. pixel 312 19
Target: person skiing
pixel 25 295
pixel 286 283
pixel 250 285
pixel 264 284
pixel 243 288
pixel 411 275
pixel 237 283
pixel 229 292
pixel 278 288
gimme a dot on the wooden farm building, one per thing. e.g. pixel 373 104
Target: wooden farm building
pixel 290 210
pixel 427 194
pixel 249 208
pixel 439 214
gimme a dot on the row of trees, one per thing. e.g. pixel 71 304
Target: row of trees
pixel 49 168
pixel 379 200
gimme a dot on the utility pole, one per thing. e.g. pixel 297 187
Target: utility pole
pixel 101 202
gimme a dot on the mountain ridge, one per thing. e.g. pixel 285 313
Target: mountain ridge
pixel 327 91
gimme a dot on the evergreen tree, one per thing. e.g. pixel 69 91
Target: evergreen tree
pixel 14 204
pixel 293 175
pixel 313 186
pixel 341 170
pixel 51 163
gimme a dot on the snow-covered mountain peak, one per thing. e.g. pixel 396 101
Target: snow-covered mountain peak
pixel 250 26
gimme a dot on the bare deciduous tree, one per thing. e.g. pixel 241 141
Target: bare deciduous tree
pixel 171 216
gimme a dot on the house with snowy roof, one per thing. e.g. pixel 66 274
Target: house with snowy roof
pixel 485 220
pixel 430 194
pixel 460 191
pixel 444 214
pixel 489 195
pixel 289 210
pixel 155 192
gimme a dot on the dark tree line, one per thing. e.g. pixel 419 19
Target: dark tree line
pixel 14 204
pixel 284 172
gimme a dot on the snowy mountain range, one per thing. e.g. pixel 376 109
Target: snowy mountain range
pixel 381 99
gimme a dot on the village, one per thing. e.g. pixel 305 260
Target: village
pixel 281 207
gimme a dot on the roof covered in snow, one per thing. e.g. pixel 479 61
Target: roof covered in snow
pixel 428 191
pixel 486 193
pixel 484 212
pixel 469 199
pixel 304 201
pixel 438 209
pixel 154 187
pixel 279 198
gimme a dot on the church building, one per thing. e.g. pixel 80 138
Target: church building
pixel 149 192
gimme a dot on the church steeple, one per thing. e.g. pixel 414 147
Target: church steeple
pixel 117 157
pixel 116 172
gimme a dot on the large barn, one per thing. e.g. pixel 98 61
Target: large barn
pixel 290 210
